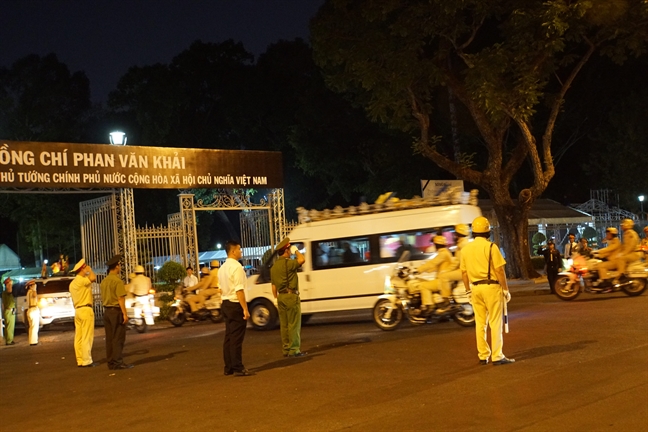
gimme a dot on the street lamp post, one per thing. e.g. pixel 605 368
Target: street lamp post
pixel 641 198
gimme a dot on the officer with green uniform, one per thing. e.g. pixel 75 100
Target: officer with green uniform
pixel 113 296
pixel 9 311
pixel 285 288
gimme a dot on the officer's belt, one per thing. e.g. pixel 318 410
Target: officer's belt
pixel 289 291
pixel 85 305
pixel 486 282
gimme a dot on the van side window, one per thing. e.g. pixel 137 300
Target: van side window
pixel 418 243
pixel 341 252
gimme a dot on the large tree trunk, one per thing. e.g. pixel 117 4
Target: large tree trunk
pixel 514 238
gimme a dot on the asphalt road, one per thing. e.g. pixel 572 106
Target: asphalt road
pixel 581 366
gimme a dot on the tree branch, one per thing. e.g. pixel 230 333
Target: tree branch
pixel 555 109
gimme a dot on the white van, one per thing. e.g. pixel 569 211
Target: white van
pixel 348 257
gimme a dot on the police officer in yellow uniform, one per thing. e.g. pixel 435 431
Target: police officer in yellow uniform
pixel 629 247
pixel 84 317
pixel 454 274
pixel 285 288
pixel 113 296
pixel 482 268
pixel 440 263
pixel 33 313
pixel 611 252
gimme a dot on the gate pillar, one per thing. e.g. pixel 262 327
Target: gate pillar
pixel 188 218
pixel 127 243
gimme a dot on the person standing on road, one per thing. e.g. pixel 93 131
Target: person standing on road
pixel 113 296
pixel 141 287
pixel 482 267
pixel 84 317
pixel 191 279
pixel 232 281
pixel 553 263
pixel 33 312
pixel 571 247
pixel 9 311
pixel 285 288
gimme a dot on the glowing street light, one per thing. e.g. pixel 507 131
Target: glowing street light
pixel 118 138
pixel 641 198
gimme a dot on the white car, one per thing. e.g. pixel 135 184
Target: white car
pixel 54 300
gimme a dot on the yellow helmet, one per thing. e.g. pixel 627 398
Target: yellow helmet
pixel 612 231
pixel 462 229
pixel 627 223
pixel 132 276
pixel 439 240
pixel 481 225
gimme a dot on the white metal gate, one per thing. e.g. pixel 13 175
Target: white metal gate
pixel 157 245
pixel 108 228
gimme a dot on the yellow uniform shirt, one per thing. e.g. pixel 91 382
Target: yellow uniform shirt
pixel 474 259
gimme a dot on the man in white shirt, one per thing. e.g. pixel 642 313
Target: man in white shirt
pixel 191 279
pixel 232 281
pixel 571 247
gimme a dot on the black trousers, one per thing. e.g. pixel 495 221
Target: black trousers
pixel 234 334
pixel 115 335
pixel 552 275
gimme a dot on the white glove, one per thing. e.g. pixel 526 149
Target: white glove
pixel 507 296
pixel 293 249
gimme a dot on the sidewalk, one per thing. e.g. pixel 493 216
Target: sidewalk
pixel 529 287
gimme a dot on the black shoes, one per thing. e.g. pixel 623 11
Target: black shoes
pixel 89 365
pixel 11 343
pixel 483 362
pixel 244 372
pixel 299 354
pixel 33 344
pixel 121 366
pixel 503 361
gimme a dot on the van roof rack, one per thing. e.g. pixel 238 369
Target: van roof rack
pixel 388 202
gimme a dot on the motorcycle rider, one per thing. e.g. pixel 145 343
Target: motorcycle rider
pixel 610 252
pixel 454 273
pixel 207 287
pixel 140 286
pixel 644 243
pixel 440 263
pixel 629 247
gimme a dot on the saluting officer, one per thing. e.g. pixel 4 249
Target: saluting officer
pixel 84 318
pixel 482 267
pixel 285 288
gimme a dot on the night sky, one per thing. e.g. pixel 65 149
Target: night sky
pixel 104 38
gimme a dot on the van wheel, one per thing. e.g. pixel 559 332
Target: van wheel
pixel 305 318
pixel 263 315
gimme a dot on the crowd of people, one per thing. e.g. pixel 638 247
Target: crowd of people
pixel 477 263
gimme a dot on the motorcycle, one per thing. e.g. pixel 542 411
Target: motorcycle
pixel 181 310
pixel 139 317
pixel 582 276
pixel 402 299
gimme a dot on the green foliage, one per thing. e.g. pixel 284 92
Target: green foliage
pixel 537 239
pixel 590 234
pixel 171 274
pixel 509 64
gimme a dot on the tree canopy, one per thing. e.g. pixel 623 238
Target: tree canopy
pixel 508 63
